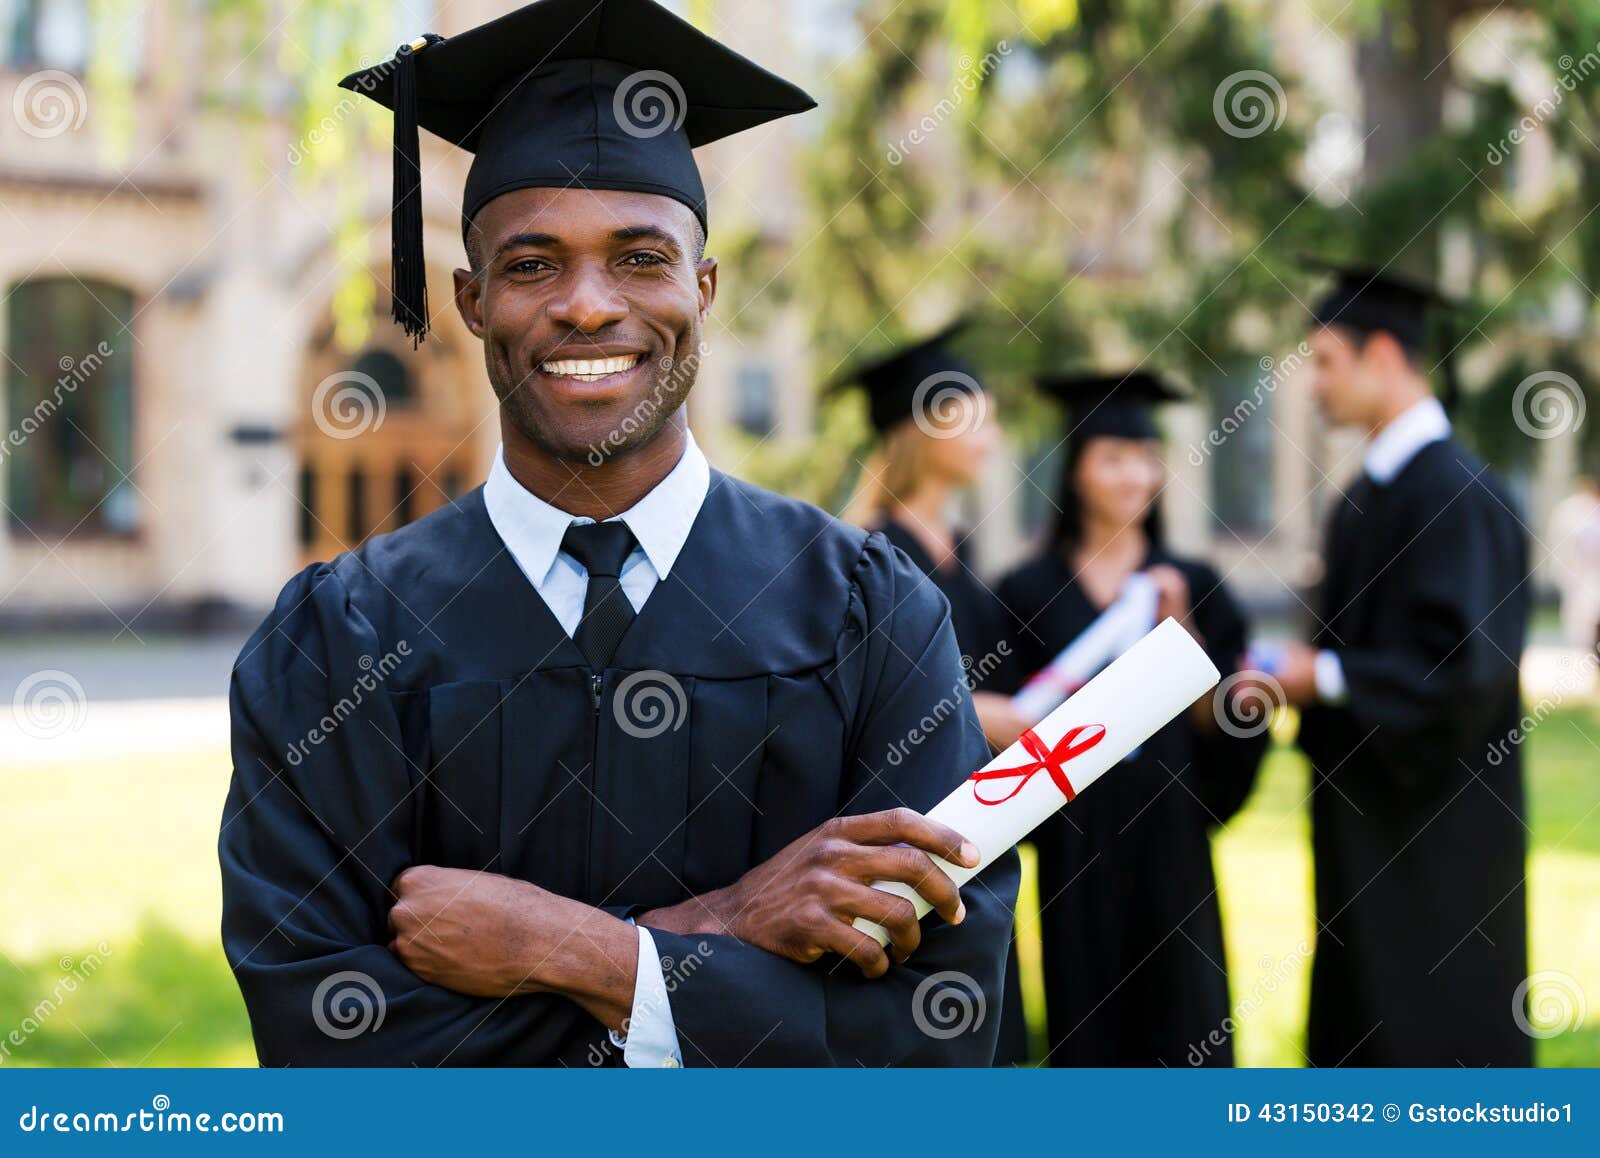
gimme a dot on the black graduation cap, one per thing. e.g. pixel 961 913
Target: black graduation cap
pixel 916 374
pixel 588 94
pixel 1368 301
pixel 1114 405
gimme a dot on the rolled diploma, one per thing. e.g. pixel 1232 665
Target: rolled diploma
pixel 1130 616
pixel 1132 699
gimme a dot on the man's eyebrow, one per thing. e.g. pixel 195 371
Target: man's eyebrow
pixel 644 232
pixel 517 240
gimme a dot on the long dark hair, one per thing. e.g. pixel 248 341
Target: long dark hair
pixel 1068 532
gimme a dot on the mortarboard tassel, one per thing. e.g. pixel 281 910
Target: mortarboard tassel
pixel 1450 379
pixel 408 275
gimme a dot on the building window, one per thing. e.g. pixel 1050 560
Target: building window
pixel 755 400
pixel 388 373
pixel 45 33
pixel 1241 468
pixel 69 409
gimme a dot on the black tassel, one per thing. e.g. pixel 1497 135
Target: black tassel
pixel 1450 379
pixel 408 276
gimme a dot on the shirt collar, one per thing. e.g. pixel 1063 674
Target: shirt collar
pixel 1393 447
pixel 532 529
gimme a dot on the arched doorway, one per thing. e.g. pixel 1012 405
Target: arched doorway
pixel 387 435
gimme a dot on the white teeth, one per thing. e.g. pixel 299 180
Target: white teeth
pixel 590 369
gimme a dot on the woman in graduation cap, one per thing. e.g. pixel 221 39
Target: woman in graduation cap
pixel 1131 930
pixel 593 765
pixel 936 429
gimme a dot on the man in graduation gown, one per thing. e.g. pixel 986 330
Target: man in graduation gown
pixel 591 767
pixel 1410 680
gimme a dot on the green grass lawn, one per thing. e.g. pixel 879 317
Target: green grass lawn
pixel 109 909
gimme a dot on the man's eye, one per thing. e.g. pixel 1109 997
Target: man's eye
pixel 644 258
pixel 528 265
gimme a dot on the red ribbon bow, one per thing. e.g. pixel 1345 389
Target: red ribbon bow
pixel 1049 760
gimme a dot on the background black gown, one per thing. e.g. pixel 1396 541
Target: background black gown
pixel 1417 828
pixel 758 692
pixel 980 622
pixel 1134 967
pixel 975 611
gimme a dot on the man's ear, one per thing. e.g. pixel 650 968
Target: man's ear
pixel 1384 352
pixel 469 299
pixel 706 280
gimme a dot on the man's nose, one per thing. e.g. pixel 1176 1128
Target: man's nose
pixel 589 303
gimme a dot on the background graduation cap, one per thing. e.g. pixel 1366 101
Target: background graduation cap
pixel 1368 301
pixel 894 382
pixel 587 94
pixel 1114 405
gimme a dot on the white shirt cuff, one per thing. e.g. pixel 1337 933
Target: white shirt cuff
pixel 650 1040
pixel 1329 674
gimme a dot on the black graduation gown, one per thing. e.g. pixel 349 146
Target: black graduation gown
pixel 1130 924
pixel 980 623
pixel 791 653
pixel 975 610
pixel 1417 823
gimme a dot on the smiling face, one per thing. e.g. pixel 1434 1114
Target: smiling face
pixel 1118 479
pixel 590 305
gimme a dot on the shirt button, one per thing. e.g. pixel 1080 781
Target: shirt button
pixel 669 1063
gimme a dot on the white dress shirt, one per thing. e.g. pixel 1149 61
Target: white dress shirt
pixel 1390 452
pixel 532 530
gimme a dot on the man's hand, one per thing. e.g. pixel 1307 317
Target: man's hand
pixel 1001 722
pixel 1297 675
pixel 800 904
pixel 491 936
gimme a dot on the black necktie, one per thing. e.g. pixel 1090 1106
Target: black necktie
pixel 601 548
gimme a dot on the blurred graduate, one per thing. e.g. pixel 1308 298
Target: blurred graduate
pixel 590 766
pixel 936 427
pixel 1134 968
pixel 1408 683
